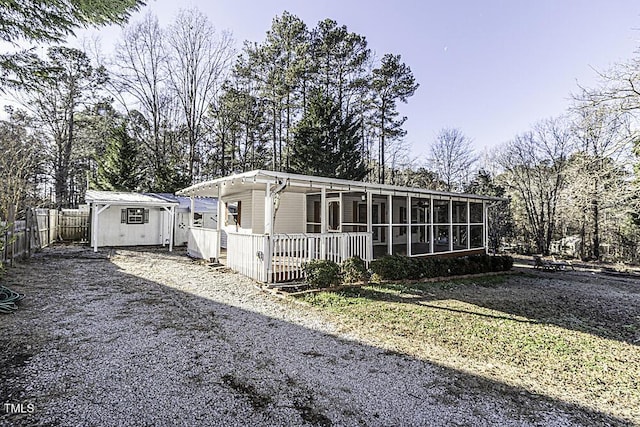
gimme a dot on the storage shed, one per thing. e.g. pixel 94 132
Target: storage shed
pixel 130 219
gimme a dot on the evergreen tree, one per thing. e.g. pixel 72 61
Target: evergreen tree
pixel 36 21
pixel 327 144
pixel 118 169
pixel 393 81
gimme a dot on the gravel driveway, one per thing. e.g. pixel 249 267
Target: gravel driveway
pixel 133 337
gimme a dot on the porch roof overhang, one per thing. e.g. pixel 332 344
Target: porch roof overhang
pixel 233 184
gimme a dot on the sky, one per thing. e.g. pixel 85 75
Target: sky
pixel 490 68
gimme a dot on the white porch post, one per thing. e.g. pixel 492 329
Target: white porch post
pixel 390 221
pixel 172 223
pixel 323 221
pixel 468 225
pixel 450 225
pixel 95 228
pixel 268 231
pixel 370 223
pixel 431 228
pixel 409 228
pixel 485 225
pixel 341 212
pixel 192 210
pixel 268 210
pixel 97 211
pixel 219 219
pixel 323 210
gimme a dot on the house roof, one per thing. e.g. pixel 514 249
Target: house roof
pixel 126 198
pixel 258 179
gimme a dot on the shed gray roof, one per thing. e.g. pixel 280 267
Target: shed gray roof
pixel 126 198
pixel 202 204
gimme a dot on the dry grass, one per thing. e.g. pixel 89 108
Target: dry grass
pixel 573 337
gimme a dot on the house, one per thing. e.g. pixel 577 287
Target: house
pixel 138 219
pixel 276 221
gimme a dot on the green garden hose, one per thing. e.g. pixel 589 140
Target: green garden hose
pixel 8 300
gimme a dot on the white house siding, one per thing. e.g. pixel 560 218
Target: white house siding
pixel 258 211
pixel 112 232
pixel 290 217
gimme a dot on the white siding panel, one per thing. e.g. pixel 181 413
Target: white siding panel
pixel 258 212
pixel 111 232
pixel 290 216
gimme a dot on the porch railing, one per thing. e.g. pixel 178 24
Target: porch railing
pixel 279 258
pixel 203 243
pixel 290 251
pixel 248 254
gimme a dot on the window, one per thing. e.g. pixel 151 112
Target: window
pixel 197 219
pixel 234 216
pixel 134 216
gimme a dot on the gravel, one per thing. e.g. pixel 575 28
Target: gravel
pixel 147 337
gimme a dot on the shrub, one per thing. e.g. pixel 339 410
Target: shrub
pixel 396 267
pixel 354 270
pixel 321 273
pixel 507 262
pixel 391 267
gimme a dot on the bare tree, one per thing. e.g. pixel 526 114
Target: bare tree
pixel 198 58
pixel 603 143
pixel 452 158
pixel 534 165
pixel 20 163
pixel 139 75
pixel 54 101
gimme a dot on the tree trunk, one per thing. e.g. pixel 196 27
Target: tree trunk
pixel 596 229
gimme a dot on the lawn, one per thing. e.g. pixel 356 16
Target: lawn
pixel 573 337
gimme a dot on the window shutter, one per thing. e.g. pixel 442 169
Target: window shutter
pixel 146 216
pixel 239 216
pixel 123 216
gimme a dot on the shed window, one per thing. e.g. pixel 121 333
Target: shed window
pixel 134 216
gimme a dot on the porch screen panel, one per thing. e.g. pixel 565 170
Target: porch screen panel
pixel 442 227
pixel 476 227
pixel 460 228
pixel 460 237
pixel 400 225
pixel 420 226
pixel 313 214
pixel 477 236
pixel 380 227
pixel 420 239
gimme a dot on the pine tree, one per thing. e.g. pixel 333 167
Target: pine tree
pixel 119 169
pixel 393 81
pixel 325 144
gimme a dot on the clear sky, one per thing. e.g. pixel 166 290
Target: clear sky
pixel 491 68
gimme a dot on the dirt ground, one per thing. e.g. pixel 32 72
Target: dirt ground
pixel 147 337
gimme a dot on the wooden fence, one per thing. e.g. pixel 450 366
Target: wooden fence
pixel 39 229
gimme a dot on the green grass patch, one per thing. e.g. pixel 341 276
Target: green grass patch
pixel 483 326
